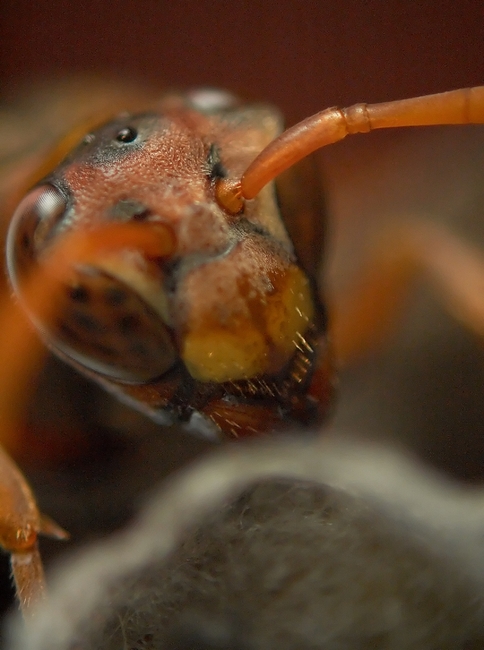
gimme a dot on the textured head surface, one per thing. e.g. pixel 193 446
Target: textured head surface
pixel 229 280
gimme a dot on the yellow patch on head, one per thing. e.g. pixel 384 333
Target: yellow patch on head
pixel 261 342
pixel 225 355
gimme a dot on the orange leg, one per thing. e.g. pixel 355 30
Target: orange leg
pixel 360 318
pixel 20 523
pixel 21 353
pixel 20 519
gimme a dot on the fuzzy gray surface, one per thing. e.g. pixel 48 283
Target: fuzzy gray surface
pixel 282 545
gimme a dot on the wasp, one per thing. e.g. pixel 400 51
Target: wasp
pixel 172 257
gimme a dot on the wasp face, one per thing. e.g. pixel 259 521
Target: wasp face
pixel 228 303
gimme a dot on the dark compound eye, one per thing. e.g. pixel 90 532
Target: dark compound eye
pixel 127 134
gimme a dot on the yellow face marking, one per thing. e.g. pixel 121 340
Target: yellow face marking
pixel 289 312
pixel 261 342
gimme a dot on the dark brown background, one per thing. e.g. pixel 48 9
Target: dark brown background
pixel 302 55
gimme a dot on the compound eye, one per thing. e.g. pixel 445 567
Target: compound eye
pixel 32 225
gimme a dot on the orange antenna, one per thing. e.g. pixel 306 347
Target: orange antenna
pixel 464 106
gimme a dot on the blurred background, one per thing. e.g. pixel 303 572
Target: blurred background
pixel 301 55
pixel 422 387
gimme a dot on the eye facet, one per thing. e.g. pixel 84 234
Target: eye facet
pixel 32 223
pixel 127 134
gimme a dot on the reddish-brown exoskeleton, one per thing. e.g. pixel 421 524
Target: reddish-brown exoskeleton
pixel 224 333
pixel 205 312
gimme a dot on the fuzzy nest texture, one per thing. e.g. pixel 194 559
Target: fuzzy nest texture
pixel 293 565
pixel 281 545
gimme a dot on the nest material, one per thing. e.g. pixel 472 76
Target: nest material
pixel 282 545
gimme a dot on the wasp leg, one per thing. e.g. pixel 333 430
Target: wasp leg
pixel 28 575
pixel 20 523
pixel 456 270
pixel 362 317
pixel 20 519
